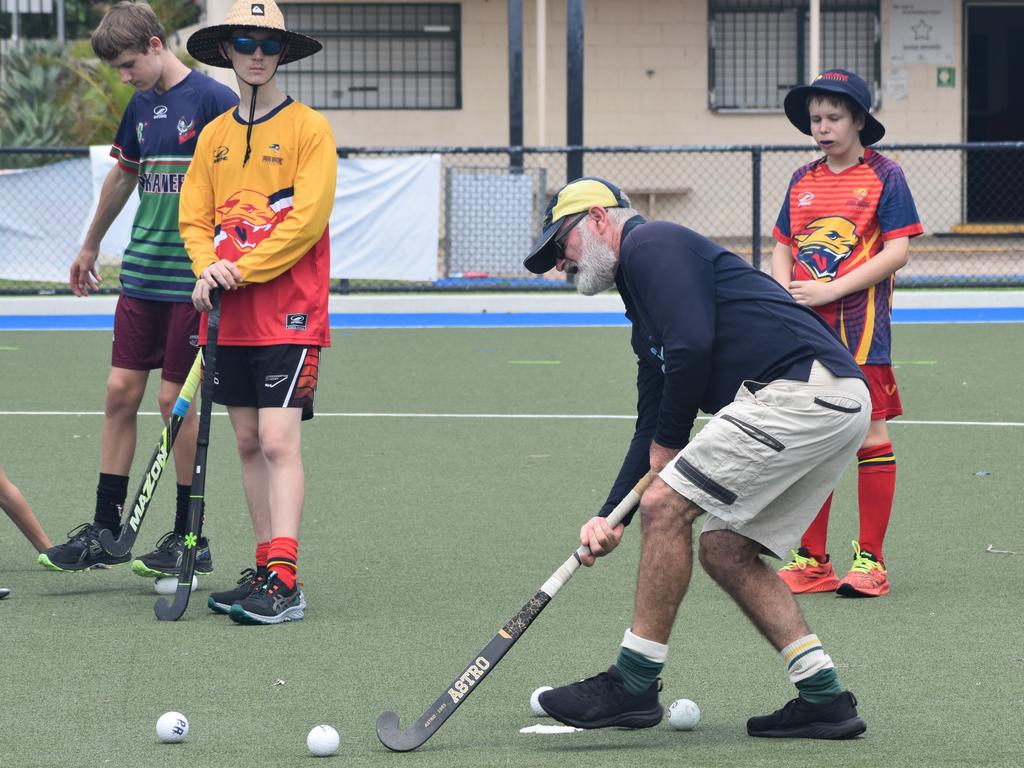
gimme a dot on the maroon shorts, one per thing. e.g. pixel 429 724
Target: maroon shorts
pixel 155 334
pixel 278 376
pixel 885 397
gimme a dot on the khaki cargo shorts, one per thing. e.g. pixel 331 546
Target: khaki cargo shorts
pixel 764 464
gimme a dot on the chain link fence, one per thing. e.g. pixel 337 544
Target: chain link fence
pixel 492 200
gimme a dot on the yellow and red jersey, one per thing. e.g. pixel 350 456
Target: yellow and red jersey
pixel 269 216
pixel 835 222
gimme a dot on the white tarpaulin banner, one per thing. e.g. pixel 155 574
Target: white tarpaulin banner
pixel 120 232
pixel 385 223
pixel 40 214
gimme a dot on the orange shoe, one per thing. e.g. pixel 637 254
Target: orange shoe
pixel 805 574
pixel 867 576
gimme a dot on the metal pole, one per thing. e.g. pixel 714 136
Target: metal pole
pixel 542 72
pixel 814 59
pixel 574 87
pixel 515 82
pixel 15 23
pixel 60 21
pixel 755 205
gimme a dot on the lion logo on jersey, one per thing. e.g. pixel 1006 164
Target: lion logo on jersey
pixel 247 219
pixel 824 243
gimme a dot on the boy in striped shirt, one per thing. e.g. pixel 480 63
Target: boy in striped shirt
pixel 155 325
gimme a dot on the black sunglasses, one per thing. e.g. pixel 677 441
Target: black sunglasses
pixel 562 236
pixel 248 45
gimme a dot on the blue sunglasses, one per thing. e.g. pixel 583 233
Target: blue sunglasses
pixel 248 45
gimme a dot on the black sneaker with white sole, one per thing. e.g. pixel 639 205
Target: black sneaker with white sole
pixel 81 552
pixel 272 603
pixel 221 602
pixel 165 560
pixel 603 701
pixel 799 719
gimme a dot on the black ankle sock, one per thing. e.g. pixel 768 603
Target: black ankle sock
pixel 111 491
pixel 181 509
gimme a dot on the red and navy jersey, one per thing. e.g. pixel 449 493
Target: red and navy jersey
pixel 835 222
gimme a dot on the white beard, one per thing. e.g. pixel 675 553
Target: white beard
pixel 596 269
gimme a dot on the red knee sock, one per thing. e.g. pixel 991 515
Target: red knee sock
pixel 876 487
pixel 284 558
pixel 815 537
pixel 262 551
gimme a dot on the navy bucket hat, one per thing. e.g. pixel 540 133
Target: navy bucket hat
pixel 834 82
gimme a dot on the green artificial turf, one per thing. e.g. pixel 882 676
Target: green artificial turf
pixel 423 535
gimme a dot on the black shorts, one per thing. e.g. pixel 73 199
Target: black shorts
pixel 279 376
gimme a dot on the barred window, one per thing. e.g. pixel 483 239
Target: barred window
pixel 377 56
pixel 758 49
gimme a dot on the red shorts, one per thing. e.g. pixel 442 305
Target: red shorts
pixel 885 397
pixel 278 376
pixel 155 334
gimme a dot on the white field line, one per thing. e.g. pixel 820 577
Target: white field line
pixel 521 416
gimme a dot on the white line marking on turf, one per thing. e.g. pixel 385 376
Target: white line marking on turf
pixel 989 548
pixel 535 416
pixel 549 729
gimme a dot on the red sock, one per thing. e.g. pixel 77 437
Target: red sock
pixel 262 551
pixel 816 536
pixel 876 487
pixel 284 558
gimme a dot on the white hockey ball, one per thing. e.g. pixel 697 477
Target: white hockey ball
pixel 323 740
pixel 172 727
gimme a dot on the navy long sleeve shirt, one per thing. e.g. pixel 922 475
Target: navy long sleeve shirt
pixel 704 321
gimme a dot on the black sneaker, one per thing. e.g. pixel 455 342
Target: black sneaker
pixel 165 560
pixel 82 552
pixel 799 719
pixel 221 602
pixel 603 701
pixel 4 592
pixel 272 603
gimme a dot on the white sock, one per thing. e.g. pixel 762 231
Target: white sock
pixel 650 650
pixel 805 658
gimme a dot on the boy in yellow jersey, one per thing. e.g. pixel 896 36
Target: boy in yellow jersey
pixel 254 217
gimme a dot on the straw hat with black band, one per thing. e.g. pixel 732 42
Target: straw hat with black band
pixel 205 45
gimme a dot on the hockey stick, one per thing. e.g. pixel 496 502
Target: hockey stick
pixel 405 741
pixel 144 495
pixel 172 611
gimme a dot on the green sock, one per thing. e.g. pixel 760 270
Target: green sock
pixel 820 687
pixel 638 672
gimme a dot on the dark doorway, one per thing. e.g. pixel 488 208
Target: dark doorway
pixel 995 111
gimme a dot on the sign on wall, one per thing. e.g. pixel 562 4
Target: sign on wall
pixel 921 32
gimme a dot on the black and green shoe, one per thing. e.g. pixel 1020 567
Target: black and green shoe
pixel 221 602
pixel 81 552
pixel 272 603
pixel 165 560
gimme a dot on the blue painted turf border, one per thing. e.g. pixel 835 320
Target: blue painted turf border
pixel 503 319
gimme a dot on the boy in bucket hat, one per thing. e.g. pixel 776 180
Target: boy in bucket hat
pixel 843 232
pixel 254 217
